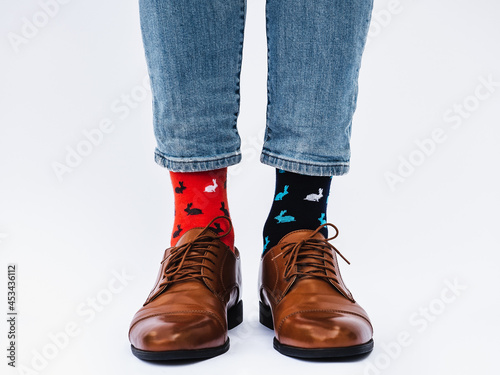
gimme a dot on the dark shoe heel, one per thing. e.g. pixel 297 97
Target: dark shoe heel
pixel 265 316
pixel 235 315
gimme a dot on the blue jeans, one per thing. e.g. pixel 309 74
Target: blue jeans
pixel 194 54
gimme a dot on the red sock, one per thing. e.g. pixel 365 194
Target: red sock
pixel 199 197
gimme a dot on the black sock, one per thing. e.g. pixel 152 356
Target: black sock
pixel 300 202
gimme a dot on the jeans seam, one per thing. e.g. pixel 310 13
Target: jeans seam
pixel 266 134
pixel 240 59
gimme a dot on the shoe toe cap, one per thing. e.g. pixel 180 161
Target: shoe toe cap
pixel 324 329
pixel 177 331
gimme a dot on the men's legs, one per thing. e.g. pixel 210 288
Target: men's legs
pixel 194 53
pixel 314 56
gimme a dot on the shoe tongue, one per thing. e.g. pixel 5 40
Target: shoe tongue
pixel 299 235
pixel 191 234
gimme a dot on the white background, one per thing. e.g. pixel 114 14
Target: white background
pixel 113 212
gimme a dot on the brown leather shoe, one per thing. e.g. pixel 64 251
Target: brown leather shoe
pixel 303 297
pixel 194 302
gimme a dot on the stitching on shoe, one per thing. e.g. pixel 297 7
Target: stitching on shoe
pixel 275 264
pixel 223 263
pixel 270 294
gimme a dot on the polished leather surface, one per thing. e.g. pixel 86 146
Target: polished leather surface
pixel 311 306
pixel 191 313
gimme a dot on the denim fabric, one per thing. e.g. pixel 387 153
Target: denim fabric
pixel 194 54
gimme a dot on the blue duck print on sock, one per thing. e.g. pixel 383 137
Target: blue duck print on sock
pixel 322 219
pixel 280 196
pixel 281 171
pixel 267 242
pixel 284 219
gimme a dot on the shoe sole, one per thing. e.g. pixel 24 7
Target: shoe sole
pixel 266 318
pixel 234 318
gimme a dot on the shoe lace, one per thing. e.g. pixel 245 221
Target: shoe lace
pixel 188 260
pixel 312 257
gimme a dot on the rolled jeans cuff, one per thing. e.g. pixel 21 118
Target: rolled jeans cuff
pixel 303 166
pixel 197 164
